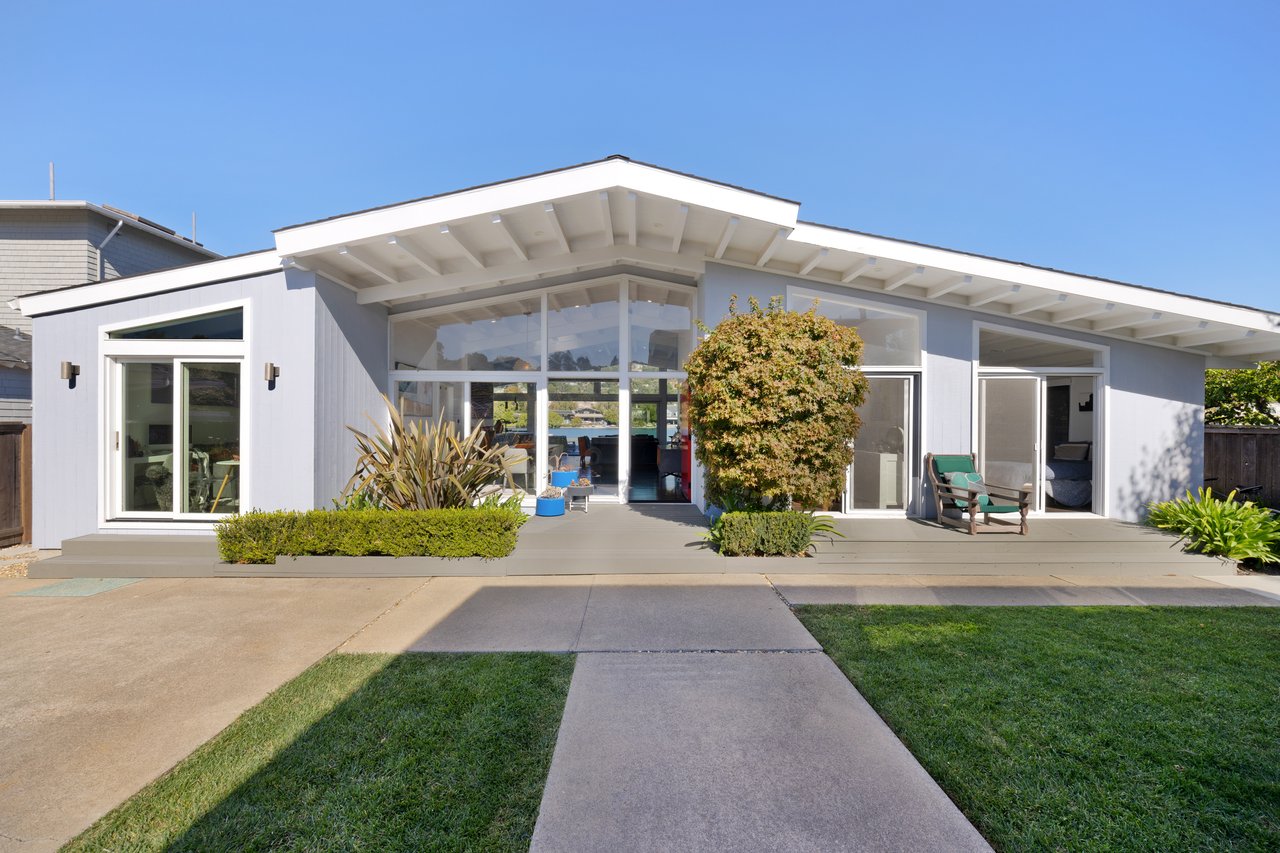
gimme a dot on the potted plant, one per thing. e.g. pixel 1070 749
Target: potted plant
pixel 550 502
pixel 579 490
pixel 564 471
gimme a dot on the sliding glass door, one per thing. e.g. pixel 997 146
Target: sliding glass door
pixel 176 438
pixel 1009 429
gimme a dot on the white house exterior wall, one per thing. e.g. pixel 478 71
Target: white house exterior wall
pixel 1154 411
pixel 279 428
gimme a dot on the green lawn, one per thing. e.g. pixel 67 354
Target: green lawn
pixel 1104 728
pixel 364 752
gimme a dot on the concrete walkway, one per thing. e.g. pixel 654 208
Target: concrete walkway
pixel 701 714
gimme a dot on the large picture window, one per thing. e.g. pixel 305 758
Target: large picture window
pixel 890 338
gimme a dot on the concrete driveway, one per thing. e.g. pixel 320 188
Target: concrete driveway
pixel 104 692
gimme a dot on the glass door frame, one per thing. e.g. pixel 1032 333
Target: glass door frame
pixel 1042 375
pixel 117 445
pixel 912 406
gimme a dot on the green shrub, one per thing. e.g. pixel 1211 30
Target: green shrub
pixel 259 537
pixel 768 534
pixel 1220 528
pixel 773 399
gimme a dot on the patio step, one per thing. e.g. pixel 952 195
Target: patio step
pixel 166 545
pixel 125 567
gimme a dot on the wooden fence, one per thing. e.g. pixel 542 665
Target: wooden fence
pixel 15 484
pixel 1238 457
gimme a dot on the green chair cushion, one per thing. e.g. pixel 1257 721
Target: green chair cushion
pixel 990 507
pixel 972 481
pixel 950 464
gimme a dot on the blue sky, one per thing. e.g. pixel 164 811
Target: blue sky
pixel 1136 141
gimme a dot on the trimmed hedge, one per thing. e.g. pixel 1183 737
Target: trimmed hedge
pixel 259 537
pixel 764 534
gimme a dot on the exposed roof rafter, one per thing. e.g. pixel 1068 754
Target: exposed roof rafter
pixel 899 280
pixel 415 253
pixel 992 294
pixel 775 243
pixel 1178 327
pixel 1127 320
pixel 858 270
pixel 553 219
pixel 949 286
pixel 1083 312
pixel 677 228
pixel 447 231
pixel 1038 303
pixel 606 218
pixel 369 264
pixel 512 240
pixel 814 260
pixel 726 236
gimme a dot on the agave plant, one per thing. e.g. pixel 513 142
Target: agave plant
pixel 425 466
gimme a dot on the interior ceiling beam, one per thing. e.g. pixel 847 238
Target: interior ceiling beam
pixel 367 263
pixel 726 236
pixel 1083 312
pixel 677 229
pixel 415 253
pixel 512 240
pixel 771 249
pixel 1038 304
pixel 858 270
pixel 814 260
pixel 1180 327
pixel 899 280
pixel 992 294
pixel 633 226
pixel 553 219
pixel 606 218
pixel 533 269
pixel 949 286
pixel 1127 320
pixel 1215 336
pixel 447 232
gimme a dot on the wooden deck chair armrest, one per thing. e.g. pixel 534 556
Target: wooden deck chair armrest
pixel 957 491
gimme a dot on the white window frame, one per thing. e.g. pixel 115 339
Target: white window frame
pixel 112 352
pixel 1101 505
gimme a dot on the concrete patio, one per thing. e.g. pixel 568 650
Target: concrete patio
pixel 663 538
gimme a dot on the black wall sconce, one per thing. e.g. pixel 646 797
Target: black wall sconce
pixel 1087 405
pixel 271 372
pixel 69 373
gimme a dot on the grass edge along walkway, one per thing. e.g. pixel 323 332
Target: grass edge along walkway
pixel 364 752
pixel 1089 728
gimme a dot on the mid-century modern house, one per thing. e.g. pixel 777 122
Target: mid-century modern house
pixel 167 400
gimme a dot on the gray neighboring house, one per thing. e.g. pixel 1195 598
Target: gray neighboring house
pixel 45 245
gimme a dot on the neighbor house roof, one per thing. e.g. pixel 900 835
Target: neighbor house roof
pixel 617 212
pixel 133 220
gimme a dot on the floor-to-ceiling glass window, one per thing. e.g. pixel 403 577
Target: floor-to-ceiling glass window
pixel 551 373
pixel 885 465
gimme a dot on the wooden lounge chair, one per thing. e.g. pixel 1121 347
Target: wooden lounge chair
pixel 961 495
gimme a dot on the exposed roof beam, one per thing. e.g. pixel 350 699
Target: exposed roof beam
pixel 814 260
pixel 532 269
pixel 554 219
pixel 677 230
pixel 948 286
pixel 445 231
pixel 415 253
pixel 369 264
pixel 633 206
pixel 1038 304
pixel 1214 336
pixel 1127 320
pixel 991 295
pixel 1180 327
pixel 511 237
pixel 1249 345
pixel 726 236
pixel 292 263
pixel 1083 312
pixel 858 270
pixel 774 244
pixel 606 218
pixel 899 280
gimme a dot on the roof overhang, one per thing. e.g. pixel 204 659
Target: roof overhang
pixel 617 212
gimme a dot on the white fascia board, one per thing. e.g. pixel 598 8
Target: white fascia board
pixel 540 189
pixel 1101 291
pixel 117 289
pixel 22 204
